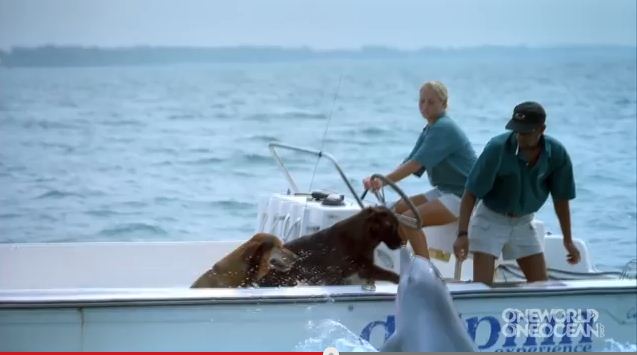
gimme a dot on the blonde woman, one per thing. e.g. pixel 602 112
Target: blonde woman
pixel 445 153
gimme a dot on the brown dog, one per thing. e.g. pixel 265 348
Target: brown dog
pixel 248 263
pixel 330 256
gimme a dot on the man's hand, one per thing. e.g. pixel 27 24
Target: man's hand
pixel 572 253
pixel 461 248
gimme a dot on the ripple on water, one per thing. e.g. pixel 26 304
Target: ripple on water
pixel 133 229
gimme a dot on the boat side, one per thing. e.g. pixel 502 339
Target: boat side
pixel 278 319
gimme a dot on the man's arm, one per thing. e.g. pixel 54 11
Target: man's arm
pixel 479 182
pixel 461 245
pixel 467 204
pixel 563 212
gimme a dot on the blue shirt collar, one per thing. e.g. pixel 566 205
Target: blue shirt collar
pixel 442 115
pixel 545 145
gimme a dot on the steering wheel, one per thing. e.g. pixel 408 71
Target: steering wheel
pixel 410 222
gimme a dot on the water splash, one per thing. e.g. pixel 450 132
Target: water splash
pixel 330 333
pixel 615 346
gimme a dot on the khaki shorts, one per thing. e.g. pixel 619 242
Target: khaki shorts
pixel 494 233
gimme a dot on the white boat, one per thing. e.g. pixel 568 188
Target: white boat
pixel 136 296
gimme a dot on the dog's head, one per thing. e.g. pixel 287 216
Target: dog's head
pixel 265 252
pixel 382 226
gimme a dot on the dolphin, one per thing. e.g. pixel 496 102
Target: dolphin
pixel 426 319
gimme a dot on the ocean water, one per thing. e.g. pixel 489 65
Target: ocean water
pixel 180 152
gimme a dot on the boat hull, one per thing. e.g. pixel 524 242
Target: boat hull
pixel 280 319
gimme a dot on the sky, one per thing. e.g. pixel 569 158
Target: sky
pixel 318 24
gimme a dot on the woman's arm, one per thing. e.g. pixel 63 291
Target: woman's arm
pixel 407 168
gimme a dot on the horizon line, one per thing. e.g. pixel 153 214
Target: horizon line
pixel 314 49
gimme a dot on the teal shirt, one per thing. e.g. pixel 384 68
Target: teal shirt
pixel 506 184
pixel 444 151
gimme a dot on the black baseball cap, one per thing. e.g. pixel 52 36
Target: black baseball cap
pixel 527 116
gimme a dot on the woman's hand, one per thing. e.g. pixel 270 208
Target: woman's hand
pixel 372 184
pixel 461 248
pixel 572 253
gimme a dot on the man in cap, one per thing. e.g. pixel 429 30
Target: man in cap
pixel 513 178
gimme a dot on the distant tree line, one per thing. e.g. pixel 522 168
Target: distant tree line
pixel 62 56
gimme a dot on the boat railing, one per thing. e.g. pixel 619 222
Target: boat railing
pixel 317 153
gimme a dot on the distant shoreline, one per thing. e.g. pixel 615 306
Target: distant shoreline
pixel 79 56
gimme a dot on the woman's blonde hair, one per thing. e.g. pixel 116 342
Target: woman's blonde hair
pixel 439 88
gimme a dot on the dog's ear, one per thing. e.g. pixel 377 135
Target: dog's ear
pixel 256 256
pixel 263 263
pixel 249 250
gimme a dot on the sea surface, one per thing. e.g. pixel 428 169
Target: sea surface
pixel 179 152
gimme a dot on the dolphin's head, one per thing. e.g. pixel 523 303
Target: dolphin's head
pixel 426 319
pixel 420 279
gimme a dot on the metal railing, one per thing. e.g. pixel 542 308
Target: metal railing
pixel 316 153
